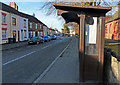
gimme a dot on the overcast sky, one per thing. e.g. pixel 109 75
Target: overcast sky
pixel 30 7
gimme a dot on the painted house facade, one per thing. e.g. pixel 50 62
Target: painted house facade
pixel 4 25
pixel 12 23
pixel 15 27
pixel 23 29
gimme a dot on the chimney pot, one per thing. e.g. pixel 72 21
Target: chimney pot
pixel 13 4
pixel 33 14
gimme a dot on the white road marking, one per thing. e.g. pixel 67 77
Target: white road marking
pixel 48 68
pixel 23 55
pixel 18 58
pixel 45 47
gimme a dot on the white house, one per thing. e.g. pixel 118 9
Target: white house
pixel 72 32
pixel 23 29
pixel 4 25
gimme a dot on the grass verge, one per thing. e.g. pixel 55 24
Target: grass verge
pixel 114 46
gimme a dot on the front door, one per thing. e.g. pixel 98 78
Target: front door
pixel 18 35
pixel 22 35
pixel 36 33
pixel 14 33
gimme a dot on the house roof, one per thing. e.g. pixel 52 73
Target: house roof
pixel 113 17
pixel 45 25
pixel 9 9
pixel 78 9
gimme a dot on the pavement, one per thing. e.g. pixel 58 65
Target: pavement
pixel 25 64
pixel 12 45
pixel 66 68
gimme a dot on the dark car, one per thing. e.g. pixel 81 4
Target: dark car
pixel 36 40
pixel 49 38
pixel 53 37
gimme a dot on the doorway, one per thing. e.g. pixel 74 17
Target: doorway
pixel 18 35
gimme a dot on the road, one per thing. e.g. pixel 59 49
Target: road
pixel 25 64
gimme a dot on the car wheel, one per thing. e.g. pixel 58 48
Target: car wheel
pixel 37 43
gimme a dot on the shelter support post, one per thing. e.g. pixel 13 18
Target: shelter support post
pixel 81 46
pixel 101 47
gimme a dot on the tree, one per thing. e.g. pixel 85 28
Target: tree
pixel 66 29
pixel 48 6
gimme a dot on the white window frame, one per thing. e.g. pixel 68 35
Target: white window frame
pixel 4 34
pixel 25 23
pixel 15 21
pixel 30 24
pixel 25 33
pixel 4 19
pixel 40 26
pixel 36 26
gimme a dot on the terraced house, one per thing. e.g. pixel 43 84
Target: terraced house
pixel 51 31
pixel 35 27
pixel 4 25
pixel 45 28
pixel 17 26
pixel 112 26
pixel 10 23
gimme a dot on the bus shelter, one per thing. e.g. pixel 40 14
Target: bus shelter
pixel 91 20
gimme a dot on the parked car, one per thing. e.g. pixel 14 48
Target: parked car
pixel 46 38
pixel 49 38
pixel 36 40
pixel 53 37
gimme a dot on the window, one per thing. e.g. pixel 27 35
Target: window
pixel 24 23
pixel 36 26
pixel 40 26
pixel 4 19
pixel 13 21
pixel 30 25
pixel 4 34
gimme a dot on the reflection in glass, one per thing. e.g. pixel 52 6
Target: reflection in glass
pixel 90 38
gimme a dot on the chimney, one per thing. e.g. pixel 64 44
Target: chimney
pixel 33 14
pixel 13 4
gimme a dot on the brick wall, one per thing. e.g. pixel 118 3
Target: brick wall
pixel 112 30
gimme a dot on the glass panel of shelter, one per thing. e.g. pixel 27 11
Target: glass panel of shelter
pixel 91 37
